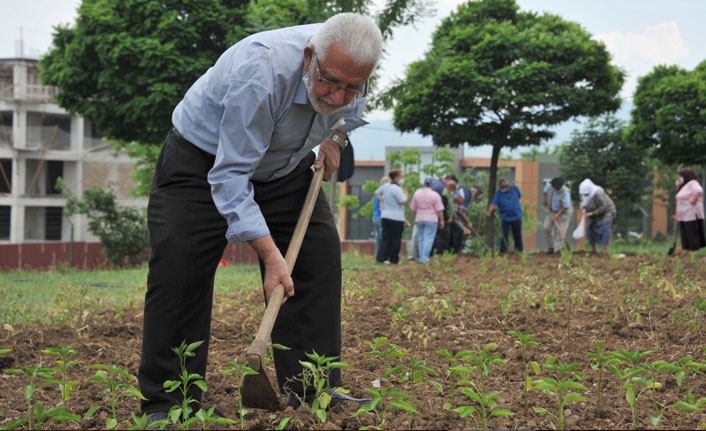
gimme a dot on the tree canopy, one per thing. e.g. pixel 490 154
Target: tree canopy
pixel 669 114
pixel 498 76
pixel 600 153
pixel 125 64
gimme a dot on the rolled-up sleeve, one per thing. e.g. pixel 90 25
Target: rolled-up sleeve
pixel 566 200
pixel 353 117
pixel 245 132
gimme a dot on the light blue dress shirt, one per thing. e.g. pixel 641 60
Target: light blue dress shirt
pixel 555 205
pixel 392 198
pixel 251 111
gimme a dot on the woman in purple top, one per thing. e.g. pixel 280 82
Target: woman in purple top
pixel 428 214
pixel 690 210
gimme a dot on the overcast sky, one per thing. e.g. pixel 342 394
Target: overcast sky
pixel 638 33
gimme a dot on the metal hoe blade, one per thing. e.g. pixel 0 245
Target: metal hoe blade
pixel 256 390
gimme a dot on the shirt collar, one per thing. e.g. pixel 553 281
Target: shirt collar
pixel 300 96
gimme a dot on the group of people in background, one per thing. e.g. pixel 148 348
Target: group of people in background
pixel 441 222
pixel 439 214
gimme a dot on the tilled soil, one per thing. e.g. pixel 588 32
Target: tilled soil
pixel 457 304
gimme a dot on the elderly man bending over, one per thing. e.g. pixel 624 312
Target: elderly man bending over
pixel 235 167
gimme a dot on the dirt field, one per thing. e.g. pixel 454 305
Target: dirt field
pixel 637 302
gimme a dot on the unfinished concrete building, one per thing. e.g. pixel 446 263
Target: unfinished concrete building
pixel 39 142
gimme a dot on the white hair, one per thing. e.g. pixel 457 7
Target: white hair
pixel 357 34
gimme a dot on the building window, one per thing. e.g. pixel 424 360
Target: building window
pixel 5 128
pixel 5 176
pixel 4 222
pixel 55 169
pixel 53 223
pixel 43 223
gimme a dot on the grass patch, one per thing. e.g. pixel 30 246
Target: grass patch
pixel 45 296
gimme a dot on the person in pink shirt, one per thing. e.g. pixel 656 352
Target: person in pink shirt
pixel 428 214
pixel 690 210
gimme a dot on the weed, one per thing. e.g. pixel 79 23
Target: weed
pixel 630 376
pixel 186 381
pixel 415 376
pixel 524 341
pixel 380 401
pixel 683 367
pixel 391 351
pixel 66 386
pixel 600 362
pixel 240 370
pixel 74 306
pixel 561 387
pixel 36 415
pixel 315 374
pixel 112 376
pixel 454 375
pixel 653 369
pixel 483 359
pixel 206 417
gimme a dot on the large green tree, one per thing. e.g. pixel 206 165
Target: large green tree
pixel 125 64
pixel 498 76
pixel 600 153
pixel 669 114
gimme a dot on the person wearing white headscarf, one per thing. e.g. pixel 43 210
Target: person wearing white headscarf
pixel 600 212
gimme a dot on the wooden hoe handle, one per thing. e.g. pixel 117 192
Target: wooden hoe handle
pixel 259 345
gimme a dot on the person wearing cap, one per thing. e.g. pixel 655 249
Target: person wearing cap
pixel 507 201
pixel 428 213
pixel 557 201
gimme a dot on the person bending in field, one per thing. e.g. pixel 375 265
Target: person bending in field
pixel 557 201
pixel 599 210
pixel 236 167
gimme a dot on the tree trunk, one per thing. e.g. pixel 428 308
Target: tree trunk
pixel 492 181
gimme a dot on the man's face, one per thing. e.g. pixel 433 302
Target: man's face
pixel 329 82
pixel 450 185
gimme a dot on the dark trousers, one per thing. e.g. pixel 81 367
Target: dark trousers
pixel 456 238
pixel 516 227
pixel 442 242
pixel 187 236
pixel 391 241
pixel 692 234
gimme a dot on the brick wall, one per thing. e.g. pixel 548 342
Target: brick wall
pixel 89 255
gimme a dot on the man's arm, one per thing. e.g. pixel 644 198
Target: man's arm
pixel 462 213
pixel 491 208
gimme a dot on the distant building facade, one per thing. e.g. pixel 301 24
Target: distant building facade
pixel 39 142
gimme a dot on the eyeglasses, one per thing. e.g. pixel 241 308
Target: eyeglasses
pixel 360 90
